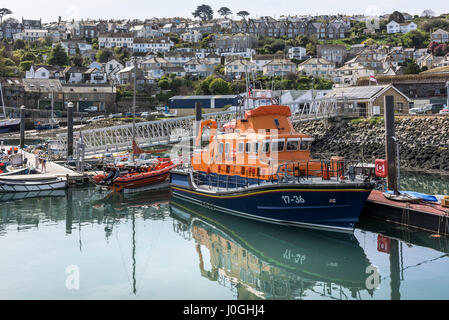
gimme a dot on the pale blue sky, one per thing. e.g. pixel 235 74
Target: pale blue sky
pixel 49 10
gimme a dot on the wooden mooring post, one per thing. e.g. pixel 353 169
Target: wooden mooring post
pixel 69 130
pixel 392 181
pixel 22 127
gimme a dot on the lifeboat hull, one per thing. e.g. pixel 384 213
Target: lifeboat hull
pixel 332 207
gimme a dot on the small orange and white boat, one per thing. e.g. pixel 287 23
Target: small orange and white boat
pixel 128 177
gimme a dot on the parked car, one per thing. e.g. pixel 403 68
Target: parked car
pixel 91 109
pixel 115 115
pixel 444 111
pixel 430 108
pixel 93 119
pixel 145 114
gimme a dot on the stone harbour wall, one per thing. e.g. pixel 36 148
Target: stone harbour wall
pixel 424 140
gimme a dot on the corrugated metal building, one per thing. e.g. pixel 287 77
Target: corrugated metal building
pixel 207 102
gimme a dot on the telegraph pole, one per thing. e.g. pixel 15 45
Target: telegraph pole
pixel 134 103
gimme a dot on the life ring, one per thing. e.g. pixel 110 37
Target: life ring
pixel 381 168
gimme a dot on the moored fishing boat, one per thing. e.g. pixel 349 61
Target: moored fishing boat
pixel 258 167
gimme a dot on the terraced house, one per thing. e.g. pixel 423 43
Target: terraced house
pixel 270 27
pixel 152 45
pixel 115 40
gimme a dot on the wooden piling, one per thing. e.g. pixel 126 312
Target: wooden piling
pixel 69 130
pixel 392 182
pixel 22 127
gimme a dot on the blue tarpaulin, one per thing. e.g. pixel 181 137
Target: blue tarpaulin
pixel 423 196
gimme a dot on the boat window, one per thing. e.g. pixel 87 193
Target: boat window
pixel 220 148
pixel 227 148
pixel 304 145
pixel 241 147
pixel 292 145
pixel 277 145
pixel 256 147
pixel 248 147
pixel 266 146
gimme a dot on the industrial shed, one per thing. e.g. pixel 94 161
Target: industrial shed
pixel 207 102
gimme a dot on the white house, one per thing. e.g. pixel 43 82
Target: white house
pixel 30 35
pixel 152 45
pixel 192 36
pixel 115 40
pixel 112 67
pixel 95 76
pixel 297 53
pixel 407 27
pixel 236 68
pixel 178 58
pixel 39 73
pixel 394 27
pixel 74 74
pixel 317 67
pixel 279 67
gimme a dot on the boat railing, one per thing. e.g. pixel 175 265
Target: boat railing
pixel 244 176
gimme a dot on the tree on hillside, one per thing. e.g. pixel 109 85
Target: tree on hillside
pixel 204 12
pixel 224 12
pixel 432 24
pixel 28 56
pixel 412 67
pixel 396 16
pixel 103 55
pixel 243 14
pixel 4 12
pixel 415 39
pixel 58 56
pixel 77 60
pixel 428 13
pixel 219 86
pixel 19 44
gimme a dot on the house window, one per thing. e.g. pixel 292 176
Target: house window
pixel 400 107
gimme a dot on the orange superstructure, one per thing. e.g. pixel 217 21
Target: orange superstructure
pixel 260 145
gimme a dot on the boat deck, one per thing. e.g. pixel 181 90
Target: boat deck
pixel 429 216
pixel 377 196
pixel 52 169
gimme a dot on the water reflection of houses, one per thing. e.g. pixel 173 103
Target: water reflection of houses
pixel 260 261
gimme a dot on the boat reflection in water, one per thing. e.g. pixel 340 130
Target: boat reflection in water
pixel 261 260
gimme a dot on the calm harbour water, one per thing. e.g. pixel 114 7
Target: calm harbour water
pixel 149 246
